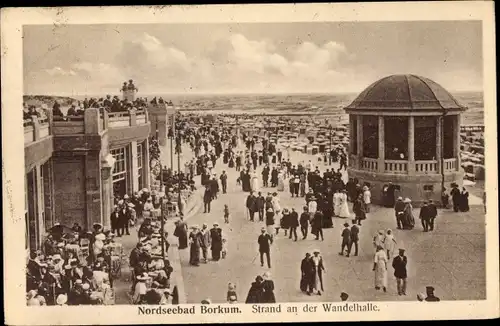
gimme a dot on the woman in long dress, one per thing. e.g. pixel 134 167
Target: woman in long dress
pixel 336 203
pixel 344 207
pixel 317 273
pixel 389 244
pixel 194 252
pixel 380 269
pixel 281 182
pixel 255 183
pixel 408 218
pixel 268 286
pixel 464 200
pixel 276 203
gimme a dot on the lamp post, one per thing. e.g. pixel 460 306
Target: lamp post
pixel 442 151
pixel 162 218
pixel 331 148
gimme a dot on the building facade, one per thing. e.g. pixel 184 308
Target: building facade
pixel 405 130
pixel 75 167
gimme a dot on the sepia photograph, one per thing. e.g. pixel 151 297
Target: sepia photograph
pixel 169 165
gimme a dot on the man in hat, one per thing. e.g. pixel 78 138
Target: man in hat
pixel 306 273
pixel 115 221
pixel 424 216
pixel 432 214
pixel 251 205
pixel 354 239
pixel 261 205
pixel 399 208
pixel 293 223
pixel 346 239
pixel 265 241
pixel 399 264
pixel 124 218
pixel 430 294
pixel 223 181
pixel 304 222
pixel 344 296
pixel 216 241
pixel 205 241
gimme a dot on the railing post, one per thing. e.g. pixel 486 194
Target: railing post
pixel 133 118
pixel 36 128
pixel 105 117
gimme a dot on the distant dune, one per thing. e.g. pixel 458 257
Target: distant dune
pixel 38 100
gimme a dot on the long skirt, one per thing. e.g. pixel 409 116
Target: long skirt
pixel 194 255
pixel 380 276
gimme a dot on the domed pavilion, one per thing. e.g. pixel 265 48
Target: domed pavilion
pixel 405 138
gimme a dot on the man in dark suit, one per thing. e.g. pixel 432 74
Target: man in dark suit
pixel 354 239
pixel 432 214
pixel 304 222
pixel 346 239
pixel 261 204
pixel 399 208
pixel 399 264
pixel 251 205
pixel 424 216
pixel 124 217
pixel 265 241
pixel 294 223
pixel 317 225
pixel 115 221
pixel 223 181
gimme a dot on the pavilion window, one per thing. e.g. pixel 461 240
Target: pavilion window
pixel 120 171
pixel 396 138
pixel 354 133
pixel 370 136
pixel 139 163
pixel 425 138
pixel 449 135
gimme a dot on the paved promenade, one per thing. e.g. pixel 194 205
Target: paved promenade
pixel 451 258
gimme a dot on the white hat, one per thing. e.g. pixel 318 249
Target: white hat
pixel 62 299
pixel 145 190
pixel 316 251
pixel 407 200
pixel 85 286
pixel 131 205
pixel 56 257
pixel 120 202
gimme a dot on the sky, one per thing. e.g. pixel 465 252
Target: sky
pixel 325 57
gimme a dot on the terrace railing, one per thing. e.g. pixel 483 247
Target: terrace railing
pixel 36 129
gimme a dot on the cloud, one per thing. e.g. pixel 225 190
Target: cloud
pixel 58 71
pixel 234 63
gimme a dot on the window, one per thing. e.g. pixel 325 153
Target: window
pixel 139 164
pixel 120 167
pixel 139 156
pixel 429 188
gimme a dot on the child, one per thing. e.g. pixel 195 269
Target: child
pixel 226 214
pixel 232 297
pixel 224 248
pixel 238 181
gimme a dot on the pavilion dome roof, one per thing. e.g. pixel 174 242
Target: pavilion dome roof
pixel 405 92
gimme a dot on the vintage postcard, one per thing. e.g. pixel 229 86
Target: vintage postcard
pixel 249 163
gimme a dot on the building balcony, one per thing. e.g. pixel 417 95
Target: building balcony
pixel 83 132
pixel 38 145
pixel 422 167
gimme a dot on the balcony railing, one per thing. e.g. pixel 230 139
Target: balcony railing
pixel 450 164
pixel 424 167
pixel 396 166
pixel 35 129
pixel 369 164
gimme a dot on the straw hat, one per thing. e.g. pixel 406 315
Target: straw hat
pixel 407 200
pixel 62 299
pixel 316 251
pixel 85 286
